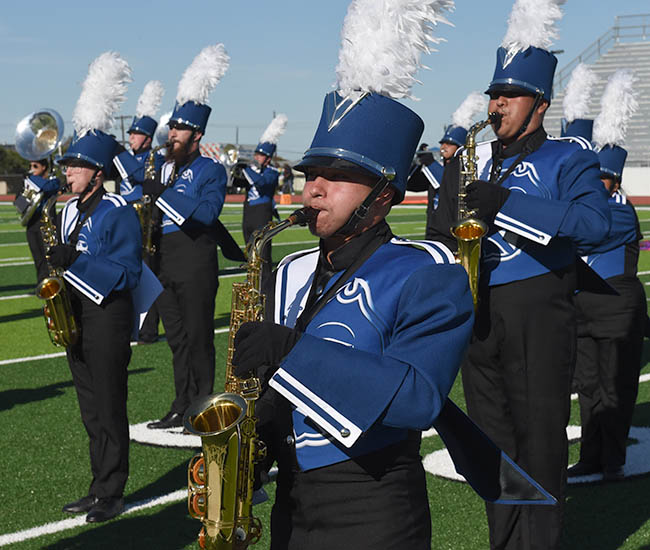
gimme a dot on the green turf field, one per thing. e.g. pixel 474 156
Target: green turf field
pixel 43 446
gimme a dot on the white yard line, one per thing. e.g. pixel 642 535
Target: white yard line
pixel 17 296
pixel 62 353
pixel 80 520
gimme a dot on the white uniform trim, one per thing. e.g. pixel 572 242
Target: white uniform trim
pixel 83 287
pixel 432 179
pixel 167 209
pixel 120 168
pixel 438 251
pixel 506 222
pixel 574 139
pixel 354 431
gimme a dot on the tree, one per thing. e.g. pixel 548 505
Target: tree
pixel 12 163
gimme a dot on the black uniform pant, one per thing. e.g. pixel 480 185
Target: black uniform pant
pixel 256 217
pixel 37 248
pixel 517 378
pixel 98 363
pixel 610 344
pixel 372 502
pixel 189 275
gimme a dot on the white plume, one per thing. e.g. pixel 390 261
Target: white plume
pixel 617 104
pixel 464 116
pixel 532 23
pixel 203 74
pixel 578 92
pixel 150 99
pixel 382 41
pixel 102 93
pixel 162 131
pixel 275 129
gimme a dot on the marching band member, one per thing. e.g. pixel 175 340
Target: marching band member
pixel 368 329
pixel 190 191
pixel 100 251
pixel 131 167
pixel 541 199
pixel 39 181
pixel 429 175
pixel 141 133
pixel 262 180
pixel 611 327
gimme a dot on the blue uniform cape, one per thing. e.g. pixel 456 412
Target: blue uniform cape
pixel 195 197
pixel 262 184
pixel 557 203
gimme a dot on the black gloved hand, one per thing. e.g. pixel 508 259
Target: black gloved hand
pixel 152 187
pixel 261 343
pixel 62 255
pixel 486 198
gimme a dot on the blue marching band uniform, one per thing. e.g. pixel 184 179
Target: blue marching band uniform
pixel 110 289
pixel 190 204
pixel 262 183
pixel 131 166
pixel 518 369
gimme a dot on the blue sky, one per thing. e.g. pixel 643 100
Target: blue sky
pixel 283 56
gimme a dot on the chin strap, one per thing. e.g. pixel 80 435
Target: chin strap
pixel 361 211
pixel 524 126
pixel 91 185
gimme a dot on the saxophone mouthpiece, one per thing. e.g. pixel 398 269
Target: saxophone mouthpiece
pixel 495 119
pixel 303 216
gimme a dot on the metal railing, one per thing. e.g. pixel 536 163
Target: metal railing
pixel 627 28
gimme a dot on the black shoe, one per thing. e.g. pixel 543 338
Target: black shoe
pixel 143 341
pixel 105 509
pixel 583 469
pixel 170 420
pixel 613 474
pixel 82 505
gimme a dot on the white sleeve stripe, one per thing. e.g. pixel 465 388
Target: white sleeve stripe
pixel 115 199
pixel 355 431
pixel 521 228
pixel 167 209
pixel 83 287
pixel 120 168
pixel 250 180
pixel 429 175
pixel 304 409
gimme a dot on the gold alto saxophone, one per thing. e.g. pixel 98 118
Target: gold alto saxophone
pixel 220 479
pixel 469 230
pixel 144 206
pixel 59 319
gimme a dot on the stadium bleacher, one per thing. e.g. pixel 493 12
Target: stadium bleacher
pixel 625 45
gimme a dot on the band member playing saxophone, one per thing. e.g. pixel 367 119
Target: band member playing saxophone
pixel 540 198
pixel 100 251
pixel 352 327
pixel 131 167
